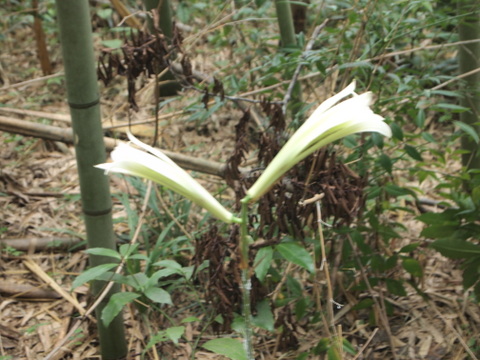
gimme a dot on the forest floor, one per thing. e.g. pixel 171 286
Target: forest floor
pixel 39 199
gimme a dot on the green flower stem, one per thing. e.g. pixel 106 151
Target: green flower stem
pixel 246 282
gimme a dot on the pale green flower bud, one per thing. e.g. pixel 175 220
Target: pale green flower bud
pixel 152 164
pixel 329 122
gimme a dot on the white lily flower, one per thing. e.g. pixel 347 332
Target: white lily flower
pixel 329 122
pixel 154 165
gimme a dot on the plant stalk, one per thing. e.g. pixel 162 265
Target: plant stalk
pixel 167 84
pixel 469 59
pixel 285 23
pixel 288 45
pixel 84 101
pixel 246 282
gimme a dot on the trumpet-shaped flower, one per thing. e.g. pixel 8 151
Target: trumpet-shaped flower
pixel 331 121
pixel 152 164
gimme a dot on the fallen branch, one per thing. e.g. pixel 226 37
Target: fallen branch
pixel 41 114
pixel 26 291
pixel 38 244
pixel 49 132
pixel 31 81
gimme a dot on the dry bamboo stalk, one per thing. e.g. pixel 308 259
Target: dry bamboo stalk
pixel 65 135
pixel 37 244
pixel 41 114
pixel 26 291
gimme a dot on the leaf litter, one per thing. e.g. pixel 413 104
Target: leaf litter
pixel 39 196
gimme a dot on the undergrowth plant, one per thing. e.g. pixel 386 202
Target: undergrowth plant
pixel 399 50
pixel 333 119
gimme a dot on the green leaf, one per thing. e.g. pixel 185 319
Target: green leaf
pixel 172 264
pixel 431 218
pixel 385 162
pixel 264 318
pixel 127 249
pixel 158 295
pixel 364 304
pixel 428 137
pixel 322 346
pixel 413 267
pixel 439 231
pixel 450 107
pixel 377 263
pixel 228 347
pixel 420 118
pixel 321 67
pixel 139 257
pixel 113 43
pixel 262 262
pixel 190 319
pixel 92 274
pixel 356 64
pixel 296 254
pixel 348 347
pixel 333 353
pixel 301 307
pixel 456 249
pixel 395 287
pixel 138 280
pixel 413 153
pixel 409 247
pixel 294 286
pixel 396 190
pixel 469 130
pixel 174 333
pixel 162 273
pixel 155 339
pixel 115 305
pixel 391 262
pixel 397 131
pixel 104 252
pixel 471 274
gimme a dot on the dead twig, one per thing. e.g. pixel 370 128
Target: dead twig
pixel 26 291
pixel 31 81
pixel 39 244
pixel 65 135
pixel 37 270
pixel 381 309
pixel 360 352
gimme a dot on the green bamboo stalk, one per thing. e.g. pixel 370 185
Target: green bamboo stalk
pixel 285 23
pixel 288 43
pixel 168 86
pixel 165 22
pixel 469 59
pixel 83 98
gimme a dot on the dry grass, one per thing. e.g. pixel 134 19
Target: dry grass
pixel 39 199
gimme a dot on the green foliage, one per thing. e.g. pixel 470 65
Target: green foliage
pixel 264 318
pixel 422 109
pixel 116 304
pixel 456 229
pixel 231 348
pixel 296 254
pixel 331 347
pixel 173 334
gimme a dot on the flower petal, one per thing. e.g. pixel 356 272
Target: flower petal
pixel 156 166
pixel 329 122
